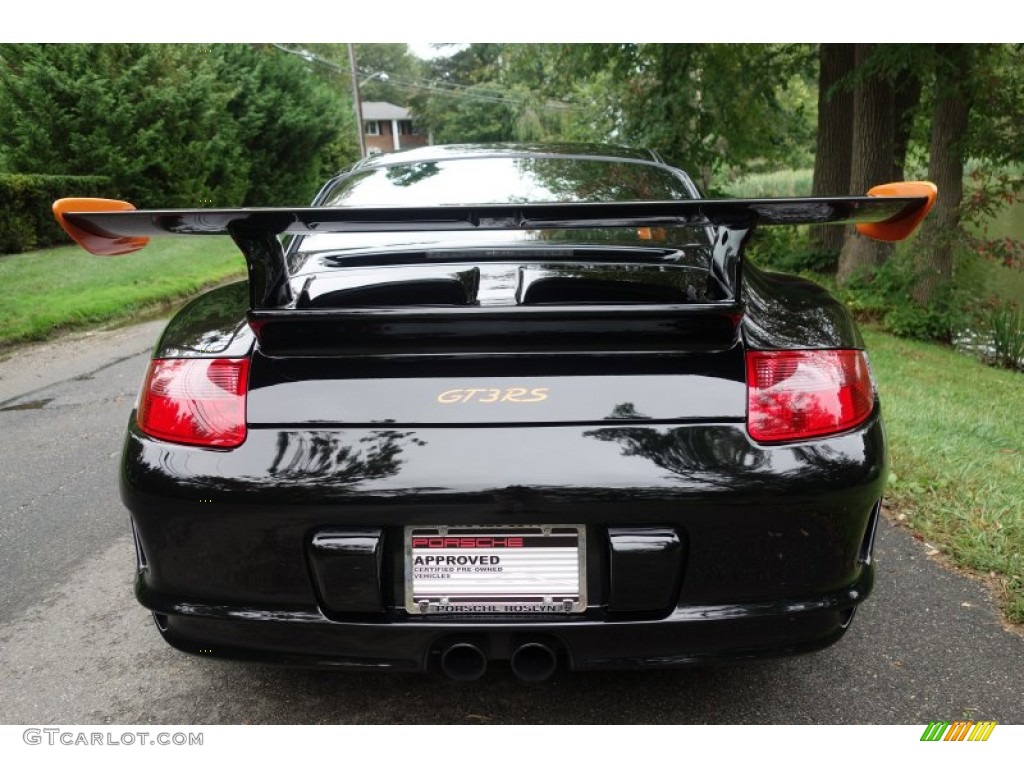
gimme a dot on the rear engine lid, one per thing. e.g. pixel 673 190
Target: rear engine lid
pixel 698 386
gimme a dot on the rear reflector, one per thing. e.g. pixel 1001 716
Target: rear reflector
pixel 196 401
pixel 795 395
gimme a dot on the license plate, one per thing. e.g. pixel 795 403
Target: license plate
pixel 485 569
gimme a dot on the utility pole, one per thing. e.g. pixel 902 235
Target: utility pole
pixel 357 99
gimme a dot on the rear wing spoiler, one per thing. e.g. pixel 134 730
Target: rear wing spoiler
pixel 110 227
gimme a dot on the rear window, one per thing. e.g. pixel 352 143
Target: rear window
pixel 507 180
pixel 497 180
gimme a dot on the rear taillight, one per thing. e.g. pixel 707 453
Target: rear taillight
pixel 195 401
pixel 797 394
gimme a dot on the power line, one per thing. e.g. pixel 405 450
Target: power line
pixel 439 87
pixel 310 56
pixel 458 90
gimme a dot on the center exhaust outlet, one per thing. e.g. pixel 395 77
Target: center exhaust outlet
pixel 464 662
pixel 534 662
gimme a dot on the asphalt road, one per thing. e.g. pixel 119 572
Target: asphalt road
pixel 76 648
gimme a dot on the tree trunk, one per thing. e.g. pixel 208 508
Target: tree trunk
pixel 908 94
pixel 835 137
pixel 873 133
pixel 953 93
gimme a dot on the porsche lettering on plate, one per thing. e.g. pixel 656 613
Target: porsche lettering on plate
pixel 496 570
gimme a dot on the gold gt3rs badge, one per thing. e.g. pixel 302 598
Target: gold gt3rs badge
pixel 486 395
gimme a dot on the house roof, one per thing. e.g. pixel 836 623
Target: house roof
pixel 384 110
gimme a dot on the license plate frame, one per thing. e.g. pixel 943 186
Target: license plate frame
pixel 543 567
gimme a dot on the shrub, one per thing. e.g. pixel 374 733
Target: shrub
pixel 784 183
pixel 786 249
pixel 173 125
pixel 26 218
pixel 1004 329
pixel 886 296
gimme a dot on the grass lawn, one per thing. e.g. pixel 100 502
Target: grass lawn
pixel 956 443
pixel 64 288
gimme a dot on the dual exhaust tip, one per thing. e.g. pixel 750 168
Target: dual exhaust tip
pixel 531 661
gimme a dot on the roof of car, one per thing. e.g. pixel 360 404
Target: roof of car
pixel 464 151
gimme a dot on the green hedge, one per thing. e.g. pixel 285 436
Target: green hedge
pixel 26 217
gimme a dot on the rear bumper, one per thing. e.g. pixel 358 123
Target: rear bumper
pixel 776 540
pixel 689 636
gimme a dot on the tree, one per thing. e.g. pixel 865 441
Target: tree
pixel 389 72
pixel 906 99
pixel 996 145
pixel 954 77
pixel 835 136
pixel 172 125
pixel 701 106
pixel 474 113
pixel 873 156
pixel 288 115
pixel 151 117
pixel 490 92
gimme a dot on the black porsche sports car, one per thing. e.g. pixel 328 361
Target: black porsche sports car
pixel 523 403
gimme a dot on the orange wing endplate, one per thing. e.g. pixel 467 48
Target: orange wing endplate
pixel 899 228
pixel 96 242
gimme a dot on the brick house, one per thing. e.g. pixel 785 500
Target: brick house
pixel 388 127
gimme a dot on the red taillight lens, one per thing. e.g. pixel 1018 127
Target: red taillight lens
pixel 195 401
pixel 794 395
